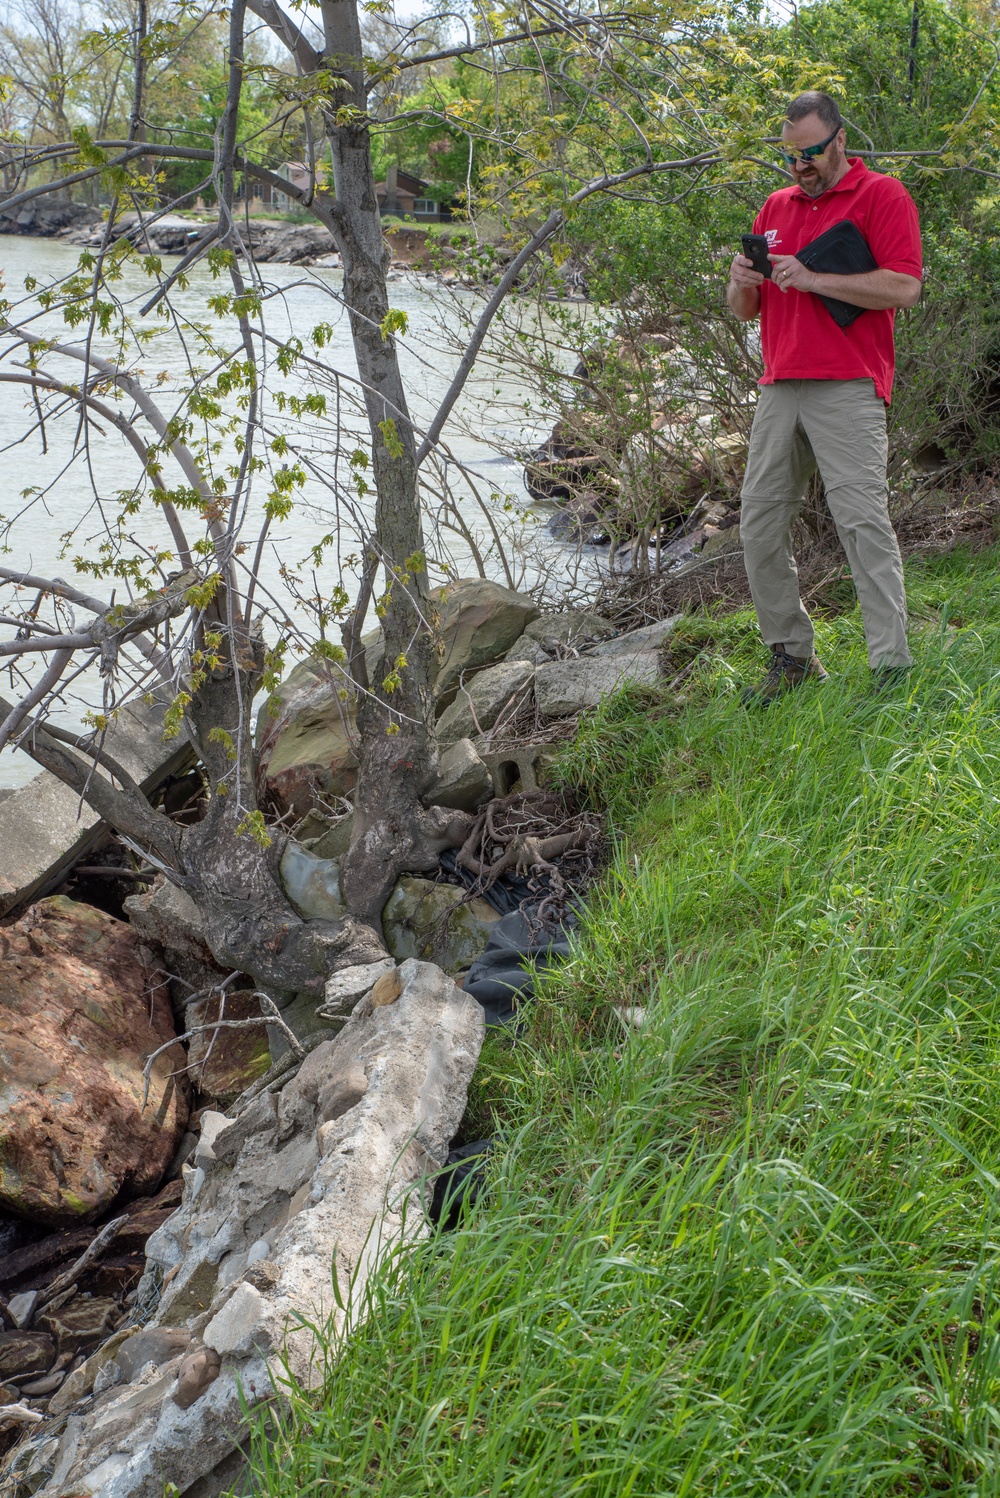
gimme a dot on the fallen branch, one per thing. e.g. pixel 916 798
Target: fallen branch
pixel 91 1253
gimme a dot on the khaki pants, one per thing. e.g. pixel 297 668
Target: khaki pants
pixel 837 426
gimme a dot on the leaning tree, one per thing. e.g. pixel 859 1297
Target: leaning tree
pixel 576 100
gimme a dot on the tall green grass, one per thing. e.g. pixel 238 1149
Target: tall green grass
pixel 751 1247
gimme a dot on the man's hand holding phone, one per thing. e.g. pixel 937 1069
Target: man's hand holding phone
pixel 746 276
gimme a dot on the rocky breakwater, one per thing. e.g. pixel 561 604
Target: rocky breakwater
pixel 86 1134
pixel 304 1186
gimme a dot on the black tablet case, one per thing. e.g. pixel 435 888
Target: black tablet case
pixel 841 251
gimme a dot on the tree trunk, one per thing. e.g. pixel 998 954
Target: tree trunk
pixel 392 831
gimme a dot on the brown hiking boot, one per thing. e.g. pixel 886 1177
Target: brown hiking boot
pixel 787 671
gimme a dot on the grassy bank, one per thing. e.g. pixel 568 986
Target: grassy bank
pixel 752 1247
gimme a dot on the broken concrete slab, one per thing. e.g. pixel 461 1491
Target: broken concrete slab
pixel 44 826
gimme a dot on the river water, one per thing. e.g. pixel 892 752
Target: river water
pixel 59 496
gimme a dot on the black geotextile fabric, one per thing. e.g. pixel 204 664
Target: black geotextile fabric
pixel 842 251
pixel 458 1185
pixel 503 977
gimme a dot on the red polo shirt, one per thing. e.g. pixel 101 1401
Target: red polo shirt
pixel 800 339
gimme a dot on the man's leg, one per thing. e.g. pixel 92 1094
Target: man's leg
pixel 779 466
pixel 845 423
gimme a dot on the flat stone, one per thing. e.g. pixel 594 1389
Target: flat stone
pixel 21 1307
pixel 344 989
pixel 479 703
pixel 430 921
pixel 563 688
pixel 77 1326
pixel 639 641
pixel 25 1353
pixel 154 1344
pixel 463 781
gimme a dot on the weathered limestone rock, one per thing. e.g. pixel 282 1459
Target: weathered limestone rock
pixel 310 746
pixel 428 920
pixel 79 1012
pixel 345 988
pixel 480 621
pixel 463 781
pixel 479 703
pixel 574 686
pixel 328 1172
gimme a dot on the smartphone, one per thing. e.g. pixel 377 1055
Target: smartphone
pixel 755 249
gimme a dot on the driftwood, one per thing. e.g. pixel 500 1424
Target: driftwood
pixel 66 1281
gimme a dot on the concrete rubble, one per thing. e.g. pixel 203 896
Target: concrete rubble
pixel 329 1173
pixel 44 827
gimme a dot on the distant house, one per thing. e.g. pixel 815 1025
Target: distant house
pixel 401 194
pixel 296 173
pixel 405 196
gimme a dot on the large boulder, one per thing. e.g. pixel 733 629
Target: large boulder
pixel 563 688
pixel 479 622
pixel 284 1219
pixel 79 1012
pixel 307 738
pixel 479 703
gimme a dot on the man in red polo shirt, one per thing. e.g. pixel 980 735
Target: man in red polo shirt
pixel 824 393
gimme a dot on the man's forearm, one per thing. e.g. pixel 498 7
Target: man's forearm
pixel 876 290
pixel 743 300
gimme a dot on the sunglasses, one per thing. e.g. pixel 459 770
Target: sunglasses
pixel 792 154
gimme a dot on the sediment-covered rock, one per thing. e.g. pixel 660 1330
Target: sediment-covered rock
pixel 80 1010
pixel 436 922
